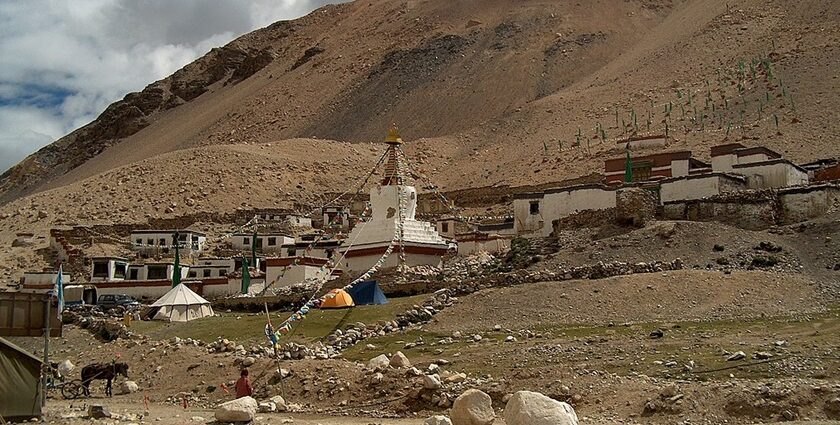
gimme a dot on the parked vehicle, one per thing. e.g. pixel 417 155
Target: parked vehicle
pixel 110 301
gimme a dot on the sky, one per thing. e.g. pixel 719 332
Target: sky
pixel 62 62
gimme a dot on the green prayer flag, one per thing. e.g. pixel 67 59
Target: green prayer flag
pixel 628 168
pixel 246 276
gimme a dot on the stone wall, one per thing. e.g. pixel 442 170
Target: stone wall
pixel 759 209
pixel 635 206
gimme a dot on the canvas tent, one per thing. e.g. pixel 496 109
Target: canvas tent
pixel 20 382
pixel 341 300
pixel 368 293
pixel 180 304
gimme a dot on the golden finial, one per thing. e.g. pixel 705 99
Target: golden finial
pixel 394 135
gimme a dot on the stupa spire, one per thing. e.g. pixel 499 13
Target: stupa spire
pixel 393 171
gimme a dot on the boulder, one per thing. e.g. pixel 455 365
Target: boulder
pixel 437 420
pixel 279 402
pixel 128 387
pixel 379 362
pixel 240 410
pixel 248 362
pixel 400 360
pixel 473 407
pixel 530 408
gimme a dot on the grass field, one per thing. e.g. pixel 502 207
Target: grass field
pixel 248 328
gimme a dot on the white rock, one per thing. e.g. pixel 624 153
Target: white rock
pixel 128 387
pixel 240 410
pixel 531 408
pixel 279 403
pixel 248 362
pixel 379 362
pixel 456 377
pixel 400 360
pixel 431 382
pixel 267 407
pixel 66 367
pixel 473 407
pixel 437 420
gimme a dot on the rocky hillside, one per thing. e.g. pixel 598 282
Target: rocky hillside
pixel 490 93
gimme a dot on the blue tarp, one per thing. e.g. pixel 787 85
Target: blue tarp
pixel 367 293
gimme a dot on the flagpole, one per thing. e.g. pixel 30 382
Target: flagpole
pixel 46 366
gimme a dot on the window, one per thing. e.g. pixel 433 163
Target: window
pixel 534 207
pixel 156 272
pixel 259 242
pixel 133 274
pixel 100 269
pixel 150 242
pixel 642 171
pixel 182 237
pixel 444 227
pixel 246 241
pixel 221 272
pixel 272 241
pixel 291 252
pixel 138 241
pixel 192 274
pixel 162 242
pixel 119 270
pixel 206 273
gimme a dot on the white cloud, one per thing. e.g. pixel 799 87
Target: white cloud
pixel 62 63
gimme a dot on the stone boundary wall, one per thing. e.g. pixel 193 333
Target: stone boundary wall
pixel 750 209
pixel 759 209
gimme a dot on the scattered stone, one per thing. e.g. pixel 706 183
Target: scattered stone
pixel 248 362
pixel 437 420
pixel 266 407
pixel 532 408
pixel 431 382
pixel 240 410
pixel 400 360
pixel 762 355
pixel 736 356
pixel 473 407
pixel 128 387
pixel 279 403
pixel 657 333
pixel 379 362
pixel 98 411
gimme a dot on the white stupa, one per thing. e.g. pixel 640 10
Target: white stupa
pixel 367 242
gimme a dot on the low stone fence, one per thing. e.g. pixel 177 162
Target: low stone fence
pixel 759 209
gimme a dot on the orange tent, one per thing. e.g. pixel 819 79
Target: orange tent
pixel 341 299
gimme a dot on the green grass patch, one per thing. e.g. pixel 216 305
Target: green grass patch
pixel 248 328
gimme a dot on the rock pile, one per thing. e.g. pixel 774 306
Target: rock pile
pixel 340 340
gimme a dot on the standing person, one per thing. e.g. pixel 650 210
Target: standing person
pixel 243 385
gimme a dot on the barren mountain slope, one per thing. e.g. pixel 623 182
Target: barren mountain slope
pixel 492 92
pixel 346 72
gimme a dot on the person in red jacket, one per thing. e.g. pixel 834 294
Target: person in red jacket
pixel 243 385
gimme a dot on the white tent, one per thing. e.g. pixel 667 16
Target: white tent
pixel 181 304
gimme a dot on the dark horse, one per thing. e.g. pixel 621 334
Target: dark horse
pixel 107 371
